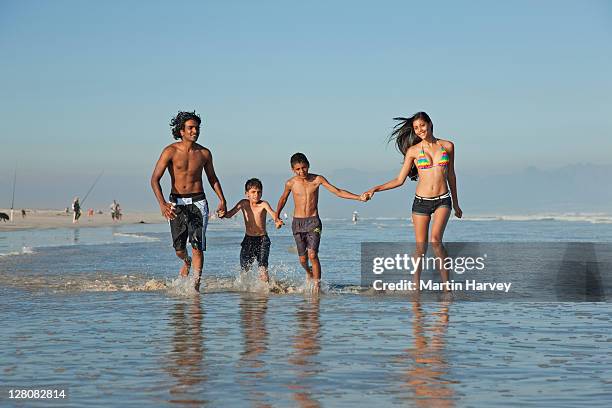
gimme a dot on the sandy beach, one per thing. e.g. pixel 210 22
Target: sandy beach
pixel 42 219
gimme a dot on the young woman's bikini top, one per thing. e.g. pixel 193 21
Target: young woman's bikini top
pixel 423 162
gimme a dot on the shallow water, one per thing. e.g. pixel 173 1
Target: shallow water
pixel 100 312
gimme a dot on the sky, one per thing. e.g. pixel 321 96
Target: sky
pixel 90 87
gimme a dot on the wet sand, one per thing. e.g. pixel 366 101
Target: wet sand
pixel 43 219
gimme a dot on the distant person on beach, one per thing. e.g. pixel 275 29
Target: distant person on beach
pixel 23 213
pixel 306 225
pixel 187 208
pixel 115 211
pixel 431 161
pixel 76 209
pixel 90 214
pixel 256 243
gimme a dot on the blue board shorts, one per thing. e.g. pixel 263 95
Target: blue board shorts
pixel 190 222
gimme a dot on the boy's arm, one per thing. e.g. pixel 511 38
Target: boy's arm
pixel 283 198
pixel 269 209
pixel 215 184
pixel 339 192
pixel 234 210
pixel 167 210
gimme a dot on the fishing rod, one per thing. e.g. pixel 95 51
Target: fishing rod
pixel 92 187
pixel 14 182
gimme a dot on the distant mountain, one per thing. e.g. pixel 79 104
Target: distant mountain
pixel 574 188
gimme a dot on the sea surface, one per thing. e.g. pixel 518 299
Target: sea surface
pixel 101 314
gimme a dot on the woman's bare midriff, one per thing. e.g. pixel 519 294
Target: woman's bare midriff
pixel 432 182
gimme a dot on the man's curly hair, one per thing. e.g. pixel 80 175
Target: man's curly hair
pixel 178 122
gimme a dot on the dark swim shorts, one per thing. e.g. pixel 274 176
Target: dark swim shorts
pixel 307 233
pixel 254 247
pixel 191 220
pixel 428 205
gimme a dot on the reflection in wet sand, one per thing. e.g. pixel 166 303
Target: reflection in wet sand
pixel 428 366
pixel 306 347
pixel 253 309
pixel 185 361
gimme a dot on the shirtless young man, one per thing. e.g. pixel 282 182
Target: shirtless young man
pixel 187 210
pixel 306 223
pixel 256 244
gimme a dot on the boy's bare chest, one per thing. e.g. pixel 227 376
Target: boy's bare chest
pixel 305 190
pixel 255 212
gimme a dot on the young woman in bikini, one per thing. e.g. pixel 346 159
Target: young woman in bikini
pixel 430 161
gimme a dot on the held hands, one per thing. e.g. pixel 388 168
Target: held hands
pixel 221 210
pixel 367 196
pixel 168 211
pixel 278 223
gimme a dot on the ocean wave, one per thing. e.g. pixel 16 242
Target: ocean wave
pixel 591 218
pixel 24 251
pixel 133 235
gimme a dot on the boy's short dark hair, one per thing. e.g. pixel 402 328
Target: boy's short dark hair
pixel 299 158
pixel 253 183
pixel 178 122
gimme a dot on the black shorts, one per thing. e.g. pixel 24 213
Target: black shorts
pixel 427 205
pixel 254 248
pixel 190 222
pixel 307 233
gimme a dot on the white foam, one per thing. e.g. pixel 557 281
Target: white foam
pixel 183 286
pixel 24 251
pixel 116 285
pixel 13 253
pixel 132 235
pixel 250 282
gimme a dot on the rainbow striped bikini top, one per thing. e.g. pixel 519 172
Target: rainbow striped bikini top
pixel 423 162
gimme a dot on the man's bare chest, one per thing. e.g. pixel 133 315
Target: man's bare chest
pixel 188 162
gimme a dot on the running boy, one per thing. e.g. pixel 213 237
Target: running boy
pixel 187 210
pixel 306 225
pixel 256 244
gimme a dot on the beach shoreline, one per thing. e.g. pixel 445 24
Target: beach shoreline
pixel 55 218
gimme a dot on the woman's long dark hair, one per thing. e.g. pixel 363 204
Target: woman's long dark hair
pixel 404 137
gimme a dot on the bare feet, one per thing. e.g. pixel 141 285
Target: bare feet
pixel 186 266
pixel 316 287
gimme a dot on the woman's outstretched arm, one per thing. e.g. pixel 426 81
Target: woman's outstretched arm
pixel 399 180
